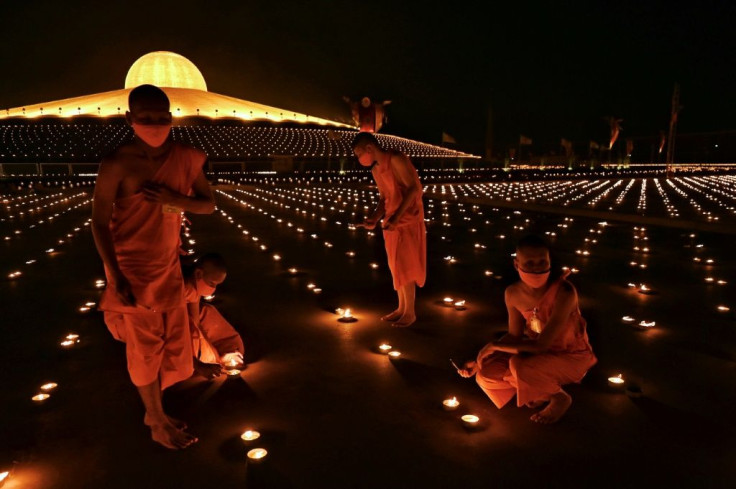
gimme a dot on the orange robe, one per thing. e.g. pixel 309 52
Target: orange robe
pixel 536 377
pixel 215 336
pixel 406 246
pixel 146 241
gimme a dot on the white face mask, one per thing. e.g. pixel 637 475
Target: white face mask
pixel 203 289
pixel 533 279
pixel 154 135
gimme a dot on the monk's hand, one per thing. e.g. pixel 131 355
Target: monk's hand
pixel 154 192
pixel 469 369
pixel 207 370
pixel 486 352
pixel 367 223
pixel 390 224
pixel 123 290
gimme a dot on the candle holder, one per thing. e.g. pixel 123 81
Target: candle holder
pixel 617 381
pixel 450 404
pixel 249 436
pixel 460 305
pixel 346 315
pixel 257 455
pixel 385 348
pixel 470 421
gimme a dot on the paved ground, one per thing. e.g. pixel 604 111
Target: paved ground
pixel 335 413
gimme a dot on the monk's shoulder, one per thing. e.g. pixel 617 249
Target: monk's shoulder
pixel 567 291
pixel 116 160
pixel 511 293
pixel 196 155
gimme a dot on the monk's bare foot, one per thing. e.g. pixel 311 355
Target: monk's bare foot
pixel 558 405
pixel 170 436
pixel 406 320
pixel 536 404
pixel 178 424
pixel 392 316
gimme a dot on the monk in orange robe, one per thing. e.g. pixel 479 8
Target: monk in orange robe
pixel 141 191
pixel 215 343
pixel 546 346
pixel 404 233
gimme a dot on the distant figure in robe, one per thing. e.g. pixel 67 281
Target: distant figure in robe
pixel 367 115
pixel 215 343
pixel 404 233
pixel 141 191
pixel 546 345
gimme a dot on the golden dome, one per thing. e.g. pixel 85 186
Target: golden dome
pixel 165 69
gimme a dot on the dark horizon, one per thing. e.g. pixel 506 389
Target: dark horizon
pixel 546 71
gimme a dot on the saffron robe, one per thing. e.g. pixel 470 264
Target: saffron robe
pixel 537 377
pixel 214 336
pixel 146 241
pixel 406 246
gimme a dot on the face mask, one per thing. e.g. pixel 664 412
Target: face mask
pixel 366 159
pixel 534 280
pixel 203 289
pixel 153 135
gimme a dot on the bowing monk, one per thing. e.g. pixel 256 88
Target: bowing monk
pixel 546 345
pixel 215 343
pixel 141 191
pixel 404 233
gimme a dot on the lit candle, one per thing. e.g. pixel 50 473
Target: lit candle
pixel 448 301
pixel 488 273
pixel 646 324
pixel 470 420
pixel 350 254
pixel 209 298
pixel 293 271
pixel 374 266
pixel 49 386
pixel 450 404
pixel 628 319
pixel 232 372
pixel 460 305
pixel 723 308
pixel 346 315
pixel 250 435
pixel 616 381
pixel 385 348
pixel 276 257
pixel 394 355
pixel 40 397
pixel 257 454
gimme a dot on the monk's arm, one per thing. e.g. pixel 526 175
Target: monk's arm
pixel 193 311
pixel 378 212
pixel 403 171
pixel 106 188
pixel 515 333
pixel 202 202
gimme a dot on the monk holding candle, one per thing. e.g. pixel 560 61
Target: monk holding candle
pixel 546 346
pixel 214 341
pixel 401 208
pixel 141 191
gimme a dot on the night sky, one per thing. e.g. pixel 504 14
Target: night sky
pixel 547 69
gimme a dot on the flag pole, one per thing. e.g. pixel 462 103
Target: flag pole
pixel 673 128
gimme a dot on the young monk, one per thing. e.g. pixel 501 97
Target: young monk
pixel 141 191
pixel 400 206
pixel 546 346
pixel 214 341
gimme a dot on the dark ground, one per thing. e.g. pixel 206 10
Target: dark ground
pixel 332 411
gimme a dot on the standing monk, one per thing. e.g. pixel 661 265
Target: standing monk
pixel 141 191
pixel 547 343
pixel 404 233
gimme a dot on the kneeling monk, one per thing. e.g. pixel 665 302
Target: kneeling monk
pixel 215 343
pixel 546 346
pixel 141 191
pixel 404 233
